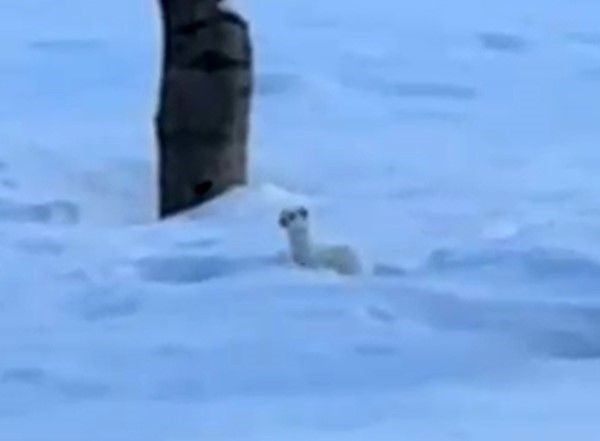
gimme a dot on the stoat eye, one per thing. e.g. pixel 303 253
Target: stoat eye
pixel 283 219
pixel 292 216
pixel 303 212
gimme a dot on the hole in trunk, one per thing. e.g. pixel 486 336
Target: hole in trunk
pixel 202 189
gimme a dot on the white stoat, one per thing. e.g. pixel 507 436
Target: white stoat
pixel 339 258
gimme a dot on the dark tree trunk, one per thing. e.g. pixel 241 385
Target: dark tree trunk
pixel 203 117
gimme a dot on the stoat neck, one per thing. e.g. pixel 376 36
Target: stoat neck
pixel 301 246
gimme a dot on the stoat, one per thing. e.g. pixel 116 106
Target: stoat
pixel 304 252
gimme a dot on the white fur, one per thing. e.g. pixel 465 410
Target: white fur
pixel 227 6
pixel 340 258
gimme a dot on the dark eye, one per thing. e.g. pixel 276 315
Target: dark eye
pixel 303 212
pixel 292 216
pixel 283 222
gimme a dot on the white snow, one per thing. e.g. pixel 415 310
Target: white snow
pixel 453 143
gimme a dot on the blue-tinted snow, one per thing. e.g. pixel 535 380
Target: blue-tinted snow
pixel 455 144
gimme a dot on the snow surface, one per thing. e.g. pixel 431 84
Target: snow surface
pixel 454 143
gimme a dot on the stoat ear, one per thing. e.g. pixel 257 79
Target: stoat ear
pixel 303 212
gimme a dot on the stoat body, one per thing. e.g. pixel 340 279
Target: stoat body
pixel 340 258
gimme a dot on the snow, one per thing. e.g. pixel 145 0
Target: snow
pixel 454 144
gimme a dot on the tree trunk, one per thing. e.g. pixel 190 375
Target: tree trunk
pixel 203 117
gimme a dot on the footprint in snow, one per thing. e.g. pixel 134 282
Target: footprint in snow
pixel 57 212
pixel 23 375
pixel 198 244
pixel 105 303
pixel 381 314
pixel 585 39
pixel 502 42
pixel 44 381
pixel 389 270
pixel 275 84
pixel 41 246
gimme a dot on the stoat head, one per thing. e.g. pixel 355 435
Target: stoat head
pixel 294 218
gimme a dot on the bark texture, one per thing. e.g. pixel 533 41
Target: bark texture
pixel 204 106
